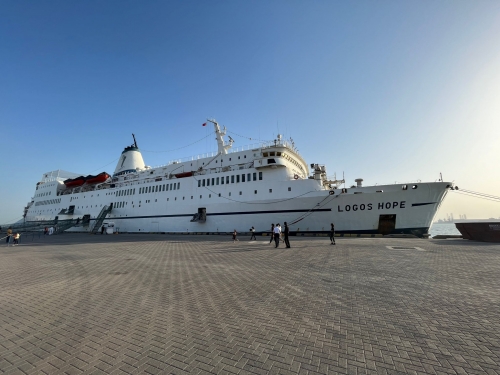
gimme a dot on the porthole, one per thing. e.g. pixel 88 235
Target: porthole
pixel 414 186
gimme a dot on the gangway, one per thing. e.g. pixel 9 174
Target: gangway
pixel 100 218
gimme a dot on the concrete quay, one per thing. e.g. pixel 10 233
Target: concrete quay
pixel 165 304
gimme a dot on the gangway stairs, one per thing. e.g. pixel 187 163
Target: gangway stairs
pixel 100 218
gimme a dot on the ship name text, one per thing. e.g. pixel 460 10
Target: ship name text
pixel 371 206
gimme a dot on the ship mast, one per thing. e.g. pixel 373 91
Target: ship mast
pixel 219 136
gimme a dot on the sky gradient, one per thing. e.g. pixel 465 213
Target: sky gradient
pixel 388 91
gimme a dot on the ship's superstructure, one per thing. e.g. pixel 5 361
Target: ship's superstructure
pixel 229 190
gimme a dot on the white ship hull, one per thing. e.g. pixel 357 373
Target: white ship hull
pixel 238 190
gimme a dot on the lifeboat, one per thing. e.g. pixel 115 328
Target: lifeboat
pixel 99 179
pixel 74 182
pixel 183 174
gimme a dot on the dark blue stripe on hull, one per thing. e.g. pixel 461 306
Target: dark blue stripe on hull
pixel 219 214
pixel 422 204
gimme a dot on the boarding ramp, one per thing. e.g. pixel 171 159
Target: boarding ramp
pixel 101 217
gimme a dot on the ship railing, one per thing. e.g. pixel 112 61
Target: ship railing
pixel 252 146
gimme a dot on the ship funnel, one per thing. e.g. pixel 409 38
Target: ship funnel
pixel 359 182
pixel 130 161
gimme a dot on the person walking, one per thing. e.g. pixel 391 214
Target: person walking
pixel 102 230
pixel 16 238
pixel 272 233
pixel 234 236
pixel 332 234
pixel 287 232
pixel 277 232
pixel 253 234
pixel 9 235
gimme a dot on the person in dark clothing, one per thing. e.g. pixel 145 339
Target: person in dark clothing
pixel 272 233
pixel 332 234
pixel 102 229
pixel 287 231
pixel 253 234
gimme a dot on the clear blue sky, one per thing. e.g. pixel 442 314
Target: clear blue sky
pixel 383 90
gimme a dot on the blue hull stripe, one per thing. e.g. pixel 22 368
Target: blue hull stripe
pixel 218 214
pixel 422 204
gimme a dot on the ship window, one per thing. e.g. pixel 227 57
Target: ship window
pixel 210 195
pixel 414 186
pixel 227 179
pixel 260 176
pixel 222 180
pixel 405 187
pixel 271 153
pixel 278 154
pixel 199 183
pixel 270 190
pixel 238 157
pixel 217 181
pixel 182 198
pixel 271 161
pixel 255 191
pixel 243 177
pixel 249 177
pixel 208 182
pixel 213 181
pixel 219 194
pixel 201 196
pixel 244 157
pixel 255 176
pixel 175 186
pixel 168 199
pixel 232 179
pixel 289 189
pixel 191 197
pixel 203 182
pixel 229 193
pixel 175 198
pixel 237 178
pixel 265 154
pixel 157 189
pixel 240 192
pixel 170 186
pixel 378 191
pixel 229 159
pixel 178 185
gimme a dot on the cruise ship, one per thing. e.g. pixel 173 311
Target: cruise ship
pixel 233 190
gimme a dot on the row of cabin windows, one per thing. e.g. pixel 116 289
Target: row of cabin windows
pixel 122 193
pixel 123 204
pixel 230 179
pixel 157 188
pixel 50 201
pixel 43 194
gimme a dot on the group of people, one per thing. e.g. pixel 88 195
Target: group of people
pixel 10 236
pixel 277 234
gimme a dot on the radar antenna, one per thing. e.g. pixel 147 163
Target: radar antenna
pixel 135 142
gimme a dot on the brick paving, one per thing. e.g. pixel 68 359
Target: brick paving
pixel 161 304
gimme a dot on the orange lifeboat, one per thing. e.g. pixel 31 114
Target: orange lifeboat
pixel 99 179
pixel 74 182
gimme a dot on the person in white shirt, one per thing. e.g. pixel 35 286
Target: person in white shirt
pixel 277 232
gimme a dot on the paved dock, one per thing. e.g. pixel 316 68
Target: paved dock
pixel 161 304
